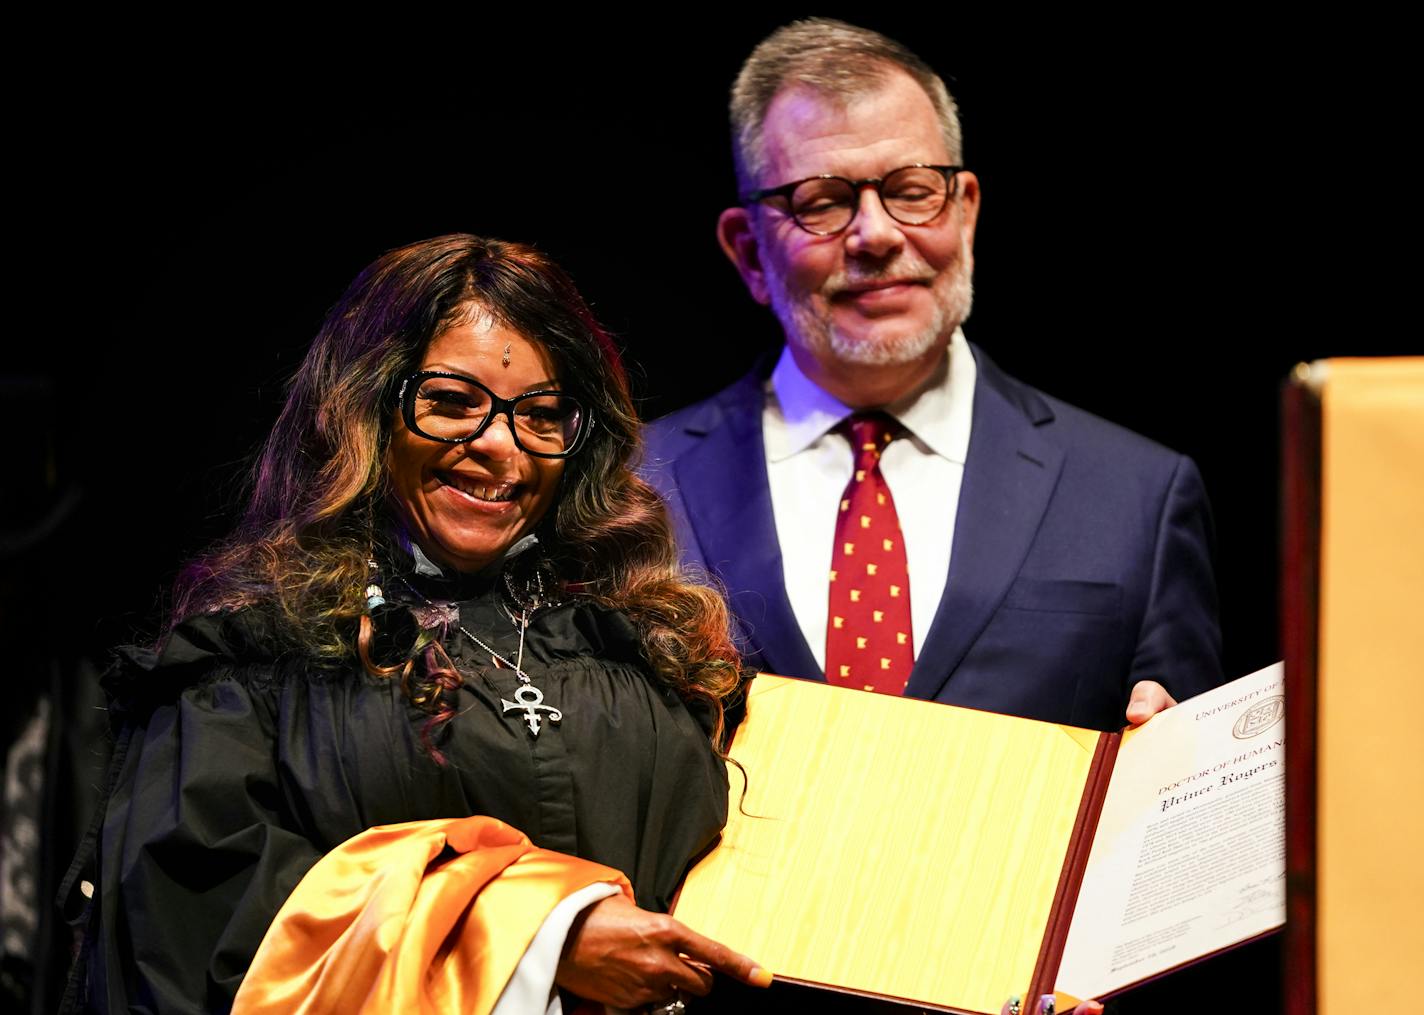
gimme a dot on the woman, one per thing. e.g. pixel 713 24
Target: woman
pixel 448 596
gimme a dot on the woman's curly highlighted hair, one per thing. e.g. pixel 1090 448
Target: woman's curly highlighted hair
pixel 318 505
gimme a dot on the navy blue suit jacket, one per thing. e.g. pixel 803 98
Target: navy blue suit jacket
pixel 1081 560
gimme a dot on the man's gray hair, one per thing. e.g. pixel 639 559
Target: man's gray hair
pixel 835 59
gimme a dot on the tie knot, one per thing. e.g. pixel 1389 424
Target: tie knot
pixel 869 433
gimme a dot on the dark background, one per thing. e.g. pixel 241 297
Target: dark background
pixel 1177 209
pixel 1169 223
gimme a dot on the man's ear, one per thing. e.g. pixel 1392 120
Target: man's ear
pixel 968 198
pixel 737 234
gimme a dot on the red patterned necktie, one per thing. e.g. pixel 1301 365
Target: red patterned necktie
pixel 869 642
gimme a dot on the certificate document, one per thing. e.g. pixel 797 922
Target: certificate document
pixel 1188 855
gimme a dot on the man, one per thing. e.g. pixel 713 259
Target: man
pixel 887 509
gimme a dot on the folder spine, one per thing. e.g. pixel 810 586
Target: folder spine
pixel 1070 879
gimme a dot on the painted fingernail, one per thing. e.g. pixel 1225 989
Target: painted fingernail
pixel 1015 1005
pixel 761 977
pixel 1047 1004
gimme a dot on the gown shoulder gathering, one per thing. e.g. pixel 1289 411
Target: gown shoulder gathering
pixel 237 766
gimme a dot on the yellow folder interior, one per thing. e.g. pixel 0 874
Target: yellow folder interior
pixel 891 846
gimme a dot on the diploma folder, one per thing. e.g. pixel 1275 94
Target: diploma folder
pixel 948 858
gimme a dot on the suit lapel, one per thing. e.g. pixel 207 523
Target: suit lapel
pixel 1009 476
pixel 723 484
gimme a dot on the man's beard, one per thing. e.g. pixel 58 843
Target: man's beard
pixel 953 293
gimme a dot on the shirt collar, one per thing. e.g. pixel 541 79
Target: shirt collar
pixel 799 412
pixel 938 415
pixel 427 568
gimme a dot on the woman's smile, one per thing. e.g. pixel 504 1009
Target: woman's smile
pixel 467 503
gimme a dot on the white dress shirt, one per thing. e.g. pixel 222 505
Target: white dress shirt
pixel 808 466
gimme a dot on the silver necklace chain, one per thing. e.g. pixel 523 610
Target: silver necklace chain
pixel 528 698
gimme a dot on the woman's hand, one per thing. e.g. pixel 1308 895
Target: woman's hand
pixel 621 955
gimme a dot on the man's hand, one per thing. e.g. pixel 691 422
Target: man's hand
pixel 621 955
pixel 1148 698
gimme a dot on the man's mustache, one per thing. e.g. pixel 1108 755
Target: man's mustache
pixel 853 281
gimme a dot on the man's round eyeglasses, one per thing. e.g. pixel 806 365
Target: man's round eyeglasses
pixel 453 409
pixel 826 205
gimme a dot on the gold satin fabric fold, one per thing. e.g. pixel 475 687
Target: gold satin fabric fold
pixel 428 916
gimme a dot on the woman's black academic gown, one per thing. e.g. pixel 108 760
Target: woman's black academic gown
pixel 235 768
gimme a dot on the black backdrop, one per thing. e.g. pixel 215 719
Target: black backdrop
pixel 1168 225
pixel 1176 210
